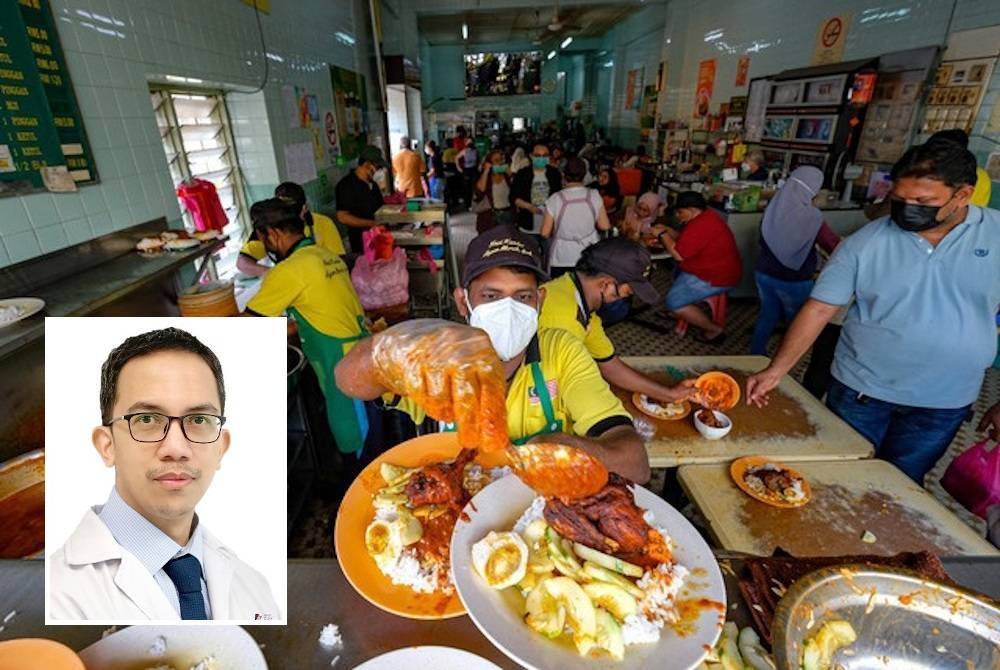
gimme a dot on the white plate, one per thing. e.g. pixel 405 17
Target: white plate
pixel 498 613
pixel 427 658
pixel 129 648
pixel 27 307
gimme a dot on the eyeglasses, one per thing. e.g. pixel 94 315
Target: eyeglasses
pixel 153 426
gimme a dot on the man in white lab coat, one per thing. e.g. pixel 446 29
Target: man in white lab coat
pixel 144 554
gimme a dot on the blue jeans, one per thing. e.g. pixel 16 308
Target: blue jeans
pixel 777 299
pixel 436 184
pixel 911 438
pixel 687 289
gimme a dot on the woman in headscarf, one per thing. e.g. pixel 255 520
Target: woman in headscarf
pixel 639 218
pixel 791 229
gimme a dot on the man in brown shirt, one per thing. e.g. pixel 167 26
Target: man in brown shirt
pixel 409 168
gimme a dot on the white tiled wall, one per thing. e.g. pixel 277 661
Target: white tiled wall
pixel 113 46
pixel 634 43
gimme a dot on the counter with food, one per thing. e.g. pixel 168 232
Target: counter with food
pixel 321 596
pixel 793 426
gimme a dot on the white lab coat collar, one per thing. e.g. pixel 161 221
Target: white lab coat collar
pixel 92 542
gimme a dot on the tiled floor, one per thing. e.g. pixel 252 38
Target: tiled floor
pixel 313 537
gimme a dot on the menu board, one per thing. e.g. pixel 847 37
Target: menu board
pixel 40 122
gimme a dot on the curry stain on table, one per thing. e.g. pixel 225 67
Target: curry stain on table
pixel 848 499
pixel 793 426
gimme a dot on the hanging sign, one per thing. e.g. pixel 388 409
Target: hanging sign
pixel 830 39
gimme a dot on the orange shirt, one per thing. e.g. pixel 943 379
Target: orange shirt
pixel 408 166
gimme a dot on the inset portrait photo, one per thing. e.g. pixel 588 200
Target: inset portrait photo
pixel 165 493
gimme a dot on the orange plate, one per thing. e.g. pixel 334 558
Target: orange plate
pixel 356 512
pixel 712 378
pixel 31 653
pixel 738 471
pixel 636 400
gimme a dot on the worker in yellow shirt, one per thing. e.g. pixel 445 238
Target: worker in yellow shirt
pixel 554 389
pixel 314 287
pixel 608 271
pixel 318 226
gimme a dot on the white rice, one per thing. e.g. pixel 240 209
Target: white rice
pixel 330 636
pixel 534 511
pixel 159 646
pixel 407 571
pixel 661 586
pixel 207 663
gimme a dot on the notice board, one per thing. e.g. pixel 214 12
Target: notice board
pixel 40 121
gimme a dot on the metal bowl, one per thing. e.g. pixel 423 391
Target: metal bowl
pixel 902 620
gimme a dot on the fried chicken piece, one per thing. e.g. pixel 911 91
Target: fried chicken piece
pixel 568 521
pixel 775 480
pixel 611 522
pixel 439 483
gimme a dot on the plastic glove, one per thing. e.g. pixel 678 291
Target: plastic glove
pixel 450 370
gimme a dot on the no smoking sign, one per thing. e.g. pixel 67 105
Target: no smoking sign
pixel 832 31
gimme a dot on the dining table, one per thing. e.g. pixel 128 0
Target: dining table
pixel 319 594
pixel 794 425
pixel 855 507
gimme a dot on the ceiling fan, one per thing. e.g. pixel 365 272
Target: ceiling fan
pixel 556 25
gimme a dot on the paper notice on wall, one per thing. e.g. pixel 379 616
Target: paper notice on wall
pixel 300 166
pixel 6 159
pixel 290 103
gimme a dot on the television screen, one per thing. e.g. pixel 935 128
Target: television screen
pixel 503 73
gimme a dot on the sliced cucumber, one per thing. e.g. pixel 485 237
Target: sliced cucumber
pixel 596 572
pixel 607 561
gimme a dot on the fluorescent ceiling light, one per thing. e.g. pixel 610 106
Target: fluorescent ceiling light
pixel 465 31
pixel 345 38
pixel 552 54
pixel 566 42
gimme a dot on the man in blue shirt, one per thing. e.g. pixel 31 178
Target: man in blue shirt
pixel 920 334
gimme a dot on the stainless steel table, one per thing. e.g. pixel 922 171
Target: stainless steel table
pixel 318 594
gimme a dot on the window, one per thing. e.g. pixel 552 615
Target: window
pixel 197 141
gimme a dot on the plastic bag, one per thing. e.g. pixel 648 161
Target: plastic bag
pixel 381 282
pixel 378 243
pixel 973 478
pixel 452 372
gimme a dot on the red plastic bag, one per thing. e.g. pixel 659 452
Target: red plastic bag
pixel 973 478
pixel 381 282
pixel 378 243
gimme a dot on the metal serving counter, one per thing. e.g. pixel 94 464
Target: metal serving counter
pixel 101 277
pixel 319 594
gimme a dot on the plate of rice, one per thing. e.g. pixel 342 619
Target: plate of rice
pixel 680 605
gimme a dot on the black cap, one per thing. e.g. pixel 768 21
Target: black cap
pixel 627 261
pixel 502 246
pixel 689 199
pixel 274 212
pixel 371 154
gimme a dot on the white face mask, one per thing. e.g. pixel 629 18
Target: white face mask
pixel 745 166
pixel 509 323
pixel 379 175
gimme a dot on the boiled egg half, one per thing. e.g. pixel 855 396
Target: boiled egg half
pixel 501 559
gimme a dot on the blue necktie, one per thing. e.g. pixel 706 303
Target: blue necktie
pixel 185 573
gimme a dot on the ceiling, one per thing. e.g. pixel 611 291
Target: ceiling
pixel 522 24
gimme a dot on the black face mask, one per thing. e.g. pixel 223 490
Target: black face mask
pixel 915 218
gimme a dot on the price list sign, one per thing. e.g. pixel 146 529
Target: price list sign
pixel 40 123
pixel 51 63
